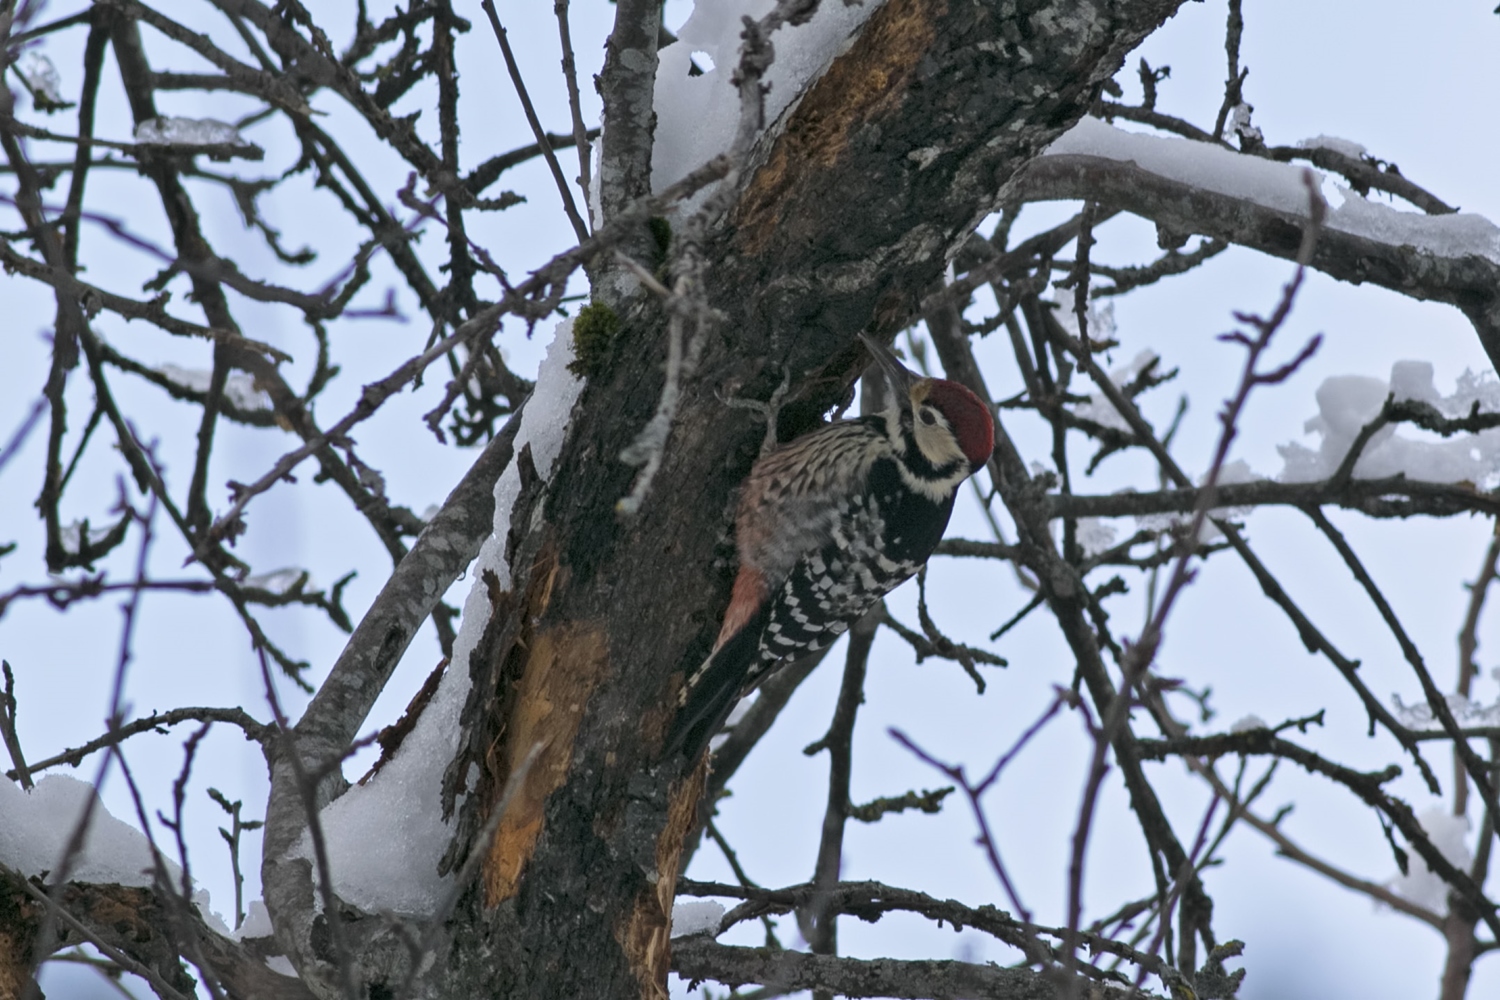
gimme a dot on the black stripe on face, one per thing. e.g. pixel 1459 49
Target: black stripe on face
pixel 917 462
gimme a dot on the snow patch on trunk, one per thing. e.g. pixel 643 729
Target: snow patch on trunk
pixel 385 837
pixel 696 116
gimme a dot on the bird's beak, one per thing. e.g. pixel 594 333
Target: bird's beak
pixel 897 376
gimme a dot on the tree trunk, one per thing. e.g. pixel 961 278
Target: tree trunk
pixel 855 200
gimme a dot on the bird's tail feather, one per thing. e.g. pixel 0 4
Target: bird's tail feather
pixel 715 687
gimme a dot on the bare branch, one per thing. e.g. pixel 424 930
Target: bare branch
pixel 698 959
pixel 579 227
pixel 570 75
pixel 155 723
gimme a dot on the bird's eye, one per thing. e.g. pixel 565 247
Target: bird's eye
pixel 928 417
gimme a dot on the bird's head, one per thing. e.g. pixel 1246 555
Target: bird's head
pixel 947 420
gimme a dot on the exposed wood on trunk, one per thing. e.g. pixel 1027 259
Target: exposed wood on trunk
pixel 867 81
pixel 563 666
pixel 645 935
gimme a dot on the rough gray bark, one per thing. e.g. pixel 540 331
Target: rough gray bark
pixel 789 971
pixel 627 86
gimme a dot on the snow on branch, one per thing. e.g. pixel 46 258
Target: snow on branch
pixel 1278 186
pixel 34 836
pixel 1357 416
pixel 1189 187
pixel 219 140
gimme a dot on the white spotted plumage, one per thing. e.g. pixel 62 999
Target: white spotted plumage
pixel 829 524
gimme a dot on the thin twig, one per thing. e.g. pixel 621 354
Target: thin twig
pixel 733 861
pixel 579 228
pixel 124 961
pixel 1468 643
pixel 820 927
pixel 1476 767
pixel 45 937
pixel 253 730
pixel 1140 654
pixel 570 75
pixel 552 276
pixel 22 432
pixel 20 771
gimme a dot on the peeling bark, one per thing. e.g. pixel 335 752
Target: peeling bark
pixel 20 920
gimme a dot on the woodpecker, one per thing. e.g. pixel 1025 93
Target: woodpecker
pixel 827 525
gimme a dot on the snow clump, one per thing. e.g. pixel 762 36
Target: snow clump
pixel 1101 319
pixel 168 131
pixel 239 387
pixel 1249 724
pixel 41 76
pixel 1465 712
pixel 1420 885
pixel 280 581
pixel 71 536
pixel 1346 403
pixel 700 916
pixel 39 823
pixel 1239 124
pixel 1095 536
pixel 1230 473
pixel 1334 144
pixel 1099 409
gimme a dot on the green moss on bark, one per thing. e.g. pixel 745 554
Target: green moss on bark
pixel 594 333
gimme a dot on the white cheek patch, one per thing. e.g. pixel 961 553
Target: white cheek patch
pixel 938 444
